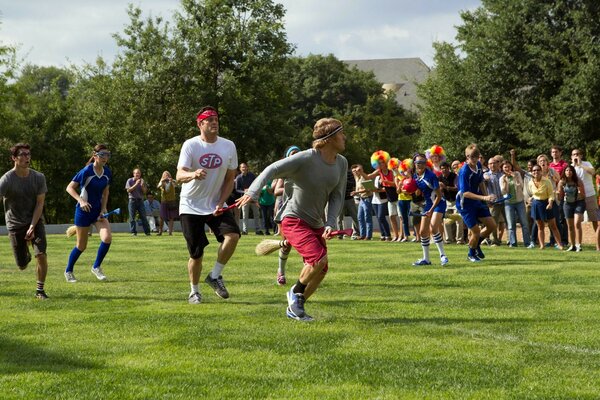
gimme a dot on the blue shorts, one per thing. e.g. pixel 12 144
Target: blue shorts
pixel 577 207
pixel 539 211
pixel 472 213
pixel 440 208
pixel 84 219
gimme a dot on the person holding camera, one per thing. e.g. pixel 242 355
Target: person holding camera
pixel 136 189
pixel 169 208
pixel 585 172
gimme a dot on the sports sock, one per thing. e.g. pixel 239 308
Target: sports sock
pixel 40 286
pixel 102 250
pixel 194 288
pixel 284 252
pixel 217 270
pixel 299 287
pixel 425 246
pixel 73 257
pixel 437 239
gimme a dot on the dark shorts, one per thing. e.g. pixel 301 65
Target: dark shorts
pixel 577 207
pixel 474 212
pixel 169 210
pixel 20 246
pixel 84 219
pixel 193 230
pixel 539 211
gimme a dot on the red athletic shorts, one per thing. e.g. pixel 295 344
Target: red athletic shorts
pixel 307 241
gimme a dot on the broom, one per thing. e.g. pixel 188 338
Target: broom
pixel 72 230
pixel 268 246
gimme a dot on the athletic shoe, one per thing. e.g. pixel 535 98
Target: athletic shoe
pixel 260 233
pixel 444 260
pixel 99 274
pixel 296 303
pixel 218 286
pixel 41 295
pixel 473 258
pixel 195 298
pixel 571 248
pixel 305 318
pixel 479 253
pixel 531 246
pixel 281 279
pixel 244 232
pixel 460 242
pixel 578 248
pixel 403 240
pixel 70 277
pixel 421 262
pixel 354 237
pixel 415 240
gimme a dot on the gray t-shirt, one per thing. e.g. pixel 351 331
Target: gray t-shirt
pixel 316 185
pixel 19 196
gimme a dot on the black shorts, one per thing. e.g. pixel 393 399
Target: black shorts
pixel 193 230
pixel 20 245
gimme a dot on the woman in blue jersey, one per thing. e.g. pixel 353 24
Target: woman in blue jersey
pixel 93 182
pixel 435 207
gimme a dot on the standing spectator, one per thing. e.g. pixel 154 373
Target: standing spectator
pixel 455 166
pixel 404 200
pixel 152 208
pixel 206 167
pixel 554 177
pixel 266 200
pixel 448 184
pixel 242 183
pixel 511 184
pixel 379 202
pixel 136 189
pixel 573 191
pixel 585 173
pixel 527 177
pixel 169 208
pixel 23 192
pixel 386 181
pixel 349 207
pixel 365 209
pixel 541 206
pixel 492 181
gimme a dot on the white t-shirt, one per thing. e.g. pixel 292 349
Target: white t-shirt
pixel 587 179
pixel 377 195
pixel 200 197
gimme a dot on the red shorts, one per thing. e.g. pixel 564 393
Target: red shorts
pixel 307 241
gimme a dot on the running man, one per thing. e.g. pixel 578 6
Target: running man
pixel 319 181
pixel 23 191
pixel 470 202
pixel 207 166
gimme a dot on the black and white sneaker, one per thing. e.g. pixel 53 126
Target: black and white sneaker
pixel 218 286
pixel 195 298
pixel 41 295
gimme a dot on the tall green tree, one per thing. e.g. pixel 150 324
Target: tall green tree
pixel 523 75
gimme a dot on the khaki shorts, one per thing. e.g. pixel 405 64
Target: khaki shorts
pixel 591 206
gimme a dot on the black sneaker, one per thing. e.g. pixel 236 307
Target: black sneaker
pixel 41 295
pixel 218 286
pixel 260 233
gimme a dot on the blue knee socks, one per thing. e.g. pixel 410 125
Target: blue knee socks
pixel 102 250
pixel 73 257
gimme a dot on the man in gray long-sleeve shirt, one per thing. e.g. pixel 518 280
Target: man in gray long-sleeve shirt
pixel 319 181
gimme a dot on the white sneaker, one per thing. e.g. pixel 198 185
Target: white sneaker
pixel 99 274
pixel 195 298
pixel 444 260
pixel 70 277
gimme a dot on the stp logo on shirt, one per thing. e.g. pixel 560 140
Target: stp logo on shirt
pixel 210 161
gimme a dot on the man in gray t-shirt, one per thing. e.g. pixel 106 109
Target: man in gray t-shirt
pixel 319 178
pixel 23 192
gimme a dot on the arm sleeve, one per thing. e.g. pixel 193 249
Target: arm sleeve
pixel 185 159
pixel 336 197
pixel 43 188
pixel 285 168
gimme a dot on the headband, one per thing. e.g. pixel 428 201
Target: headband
pixel 206 114
pixel 291 150
pixel 330 134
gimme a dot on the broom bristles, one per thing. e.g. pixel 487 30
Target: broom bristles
pixel 71 231
pixel 268 246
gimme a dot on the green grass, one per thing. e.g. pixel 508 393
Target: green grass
pixel 523 324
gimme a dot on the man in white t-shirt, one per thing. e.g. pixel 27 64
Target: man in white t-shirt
pixel 585 172
pixel 207 166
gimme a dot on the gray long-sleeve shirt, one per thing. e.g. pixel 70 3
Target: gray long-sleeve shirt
pixel 316 185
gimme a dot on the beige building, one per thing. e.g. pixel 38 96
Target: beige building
pixel 400 75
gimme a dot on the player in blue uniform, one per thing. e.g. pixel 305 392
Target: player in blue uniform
pixel 93 180
pixel 435 207
pixel 470 202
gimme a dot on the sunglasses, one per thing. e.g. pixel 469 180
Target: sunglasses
pixel 420 162
pixel 24 154
pixel 103 154
pixel 536 170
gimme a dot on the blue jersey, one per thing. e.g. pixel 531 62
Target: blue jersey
pixel 469 181
pixel 92 186
pixel 427 184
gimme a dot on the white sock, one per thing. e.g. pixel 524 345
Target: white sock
pixel 425 247
pixel 437 238
pixel 217 270
pixel 283 256
pixel 194 289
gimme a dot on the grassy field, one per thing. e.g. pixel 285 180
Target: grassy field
pixel 525 324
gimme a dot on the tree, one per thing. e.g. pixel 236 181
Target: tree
pixel 526 77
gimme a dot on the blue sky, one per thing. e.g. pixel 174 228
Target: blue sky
pixel 60 32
